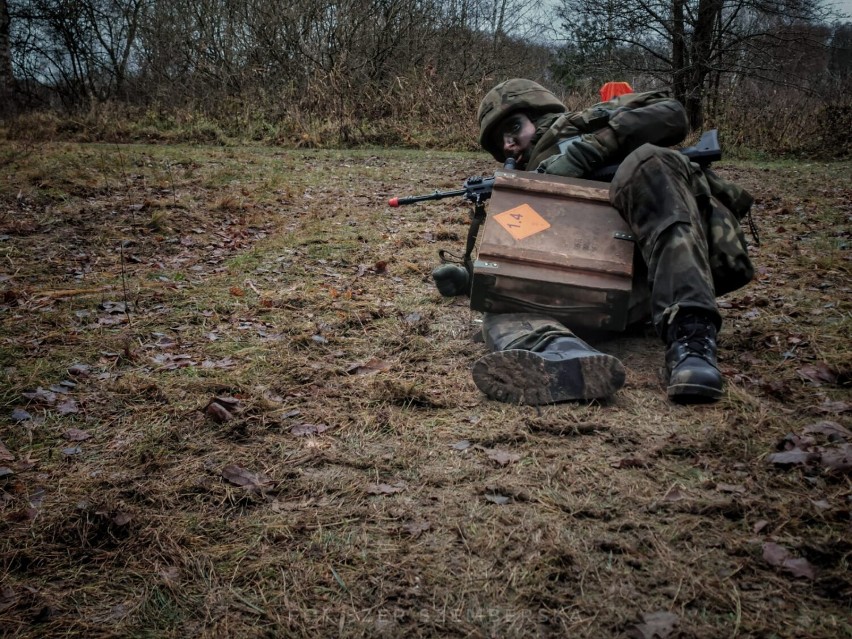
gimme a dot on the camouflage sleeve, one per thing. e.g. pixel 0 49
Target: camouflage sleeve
pixel 578 156
pixel 662 123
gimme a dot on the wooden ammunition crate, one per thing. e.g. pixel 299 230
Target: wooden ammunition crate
pixel 554 246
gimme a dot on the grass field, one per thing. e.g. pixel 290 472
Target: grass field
pixel 234 405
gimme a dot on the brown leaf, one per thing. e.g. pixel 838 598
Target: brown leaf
pixel 244 478
pixel 236 291
pixel 386 489
pixel 303 429
pixel 837 459
pixel 832 430
pixel 67 407
pixel 217 412
pixel 502 457
pixel 656 625
pixel 5 455
pixel 76 435
pixel 778 556
pixel 41 396
pixel 818 374
pixel 79 370
pixel 835 407
pixel 793 457
pixel 381 266
pixel 370 367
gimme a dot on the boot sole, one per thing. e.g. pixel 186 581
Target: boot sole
pixel 524 377
pixel 694 394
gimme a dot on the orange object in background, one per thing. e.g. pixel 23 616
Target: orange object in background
pixel 614 89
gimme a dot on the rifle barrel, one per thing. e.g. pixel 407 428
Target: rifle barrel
pixel 437 195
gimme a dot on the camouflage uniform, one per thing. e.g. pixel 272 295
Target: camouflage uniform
pixel 686 219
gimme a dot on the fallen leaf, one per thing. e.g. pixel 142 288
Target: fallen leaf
pixel 244 478
pixel 760 526
pixel 76 435
pixel 301 430
pixel 236 291
pixel 655 625
pixel 41 396
pixel 5 455
pixel 381 266
pixel 79 370
pixel 836 407
pixel 72 450
pixel 500 500
pixel 675 494
pixel 370 367
pixel 502 457
pixel 818 374
pixel 67 407
pixel 113 307
pixel 5 471
pixel 217 412
pixel 461 445
pixel 793 457
pixel 778 556
pixel 20 415
pixel 832 430
pixel 386 489
pixel 231 403
pixel 837 459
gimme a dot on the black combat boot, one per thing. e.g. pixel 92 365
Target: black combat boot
pixel 566 369
pixel 694 377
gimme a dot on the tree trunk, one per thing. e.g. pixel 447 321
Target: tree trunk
pixel 7 78
pixel 679 61
pixel 702 49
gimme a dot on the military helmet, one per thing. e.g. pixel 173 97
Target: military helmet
pixel 510 97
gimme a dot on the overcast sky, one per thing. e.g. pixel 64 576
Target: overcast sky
pixel 843 6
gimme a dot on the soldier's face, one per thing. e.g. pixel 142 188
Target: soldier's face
pixel 515 135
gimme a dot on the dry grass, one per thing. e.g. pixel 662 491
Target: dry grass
pixel 282 281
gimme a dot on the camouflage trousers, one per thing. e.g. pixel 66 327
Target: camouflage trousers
pixel 686 222
pixel 691 243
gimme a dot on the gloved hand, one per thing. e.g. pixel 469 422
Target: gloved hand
pixel 451 280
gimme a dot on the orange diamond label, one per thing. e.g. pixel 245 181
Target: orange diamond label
pixel 522 221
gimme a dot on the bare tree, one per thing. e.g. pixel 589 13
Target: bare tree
pixel 687 44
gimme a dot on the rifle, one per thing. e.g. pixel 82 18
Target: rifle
pixel 475 189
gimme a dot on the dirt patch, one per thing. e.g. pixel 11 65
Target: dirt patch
pixel 234 405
